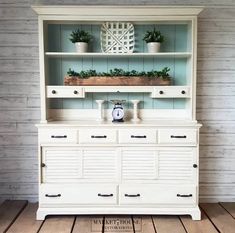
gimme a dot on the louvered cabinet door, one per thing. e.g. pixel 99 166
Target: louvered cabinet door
pixel 139 164
pixel 178 165
pixel 100 164
pixel 61 165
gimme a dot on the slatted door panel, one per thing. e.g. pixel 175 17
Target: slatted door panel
pixel 139 164
pixel 100 164
pixel 176 165
pixel 61 165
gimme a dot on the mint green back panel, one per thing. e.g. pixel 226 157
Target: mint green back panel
pixel 176 40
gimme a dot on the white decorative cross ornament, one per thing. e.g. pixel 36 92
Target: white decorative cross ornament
pixel 117 37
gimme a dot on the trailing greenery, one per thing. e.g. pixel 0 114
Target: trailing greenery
pixel 80 36
pixel 164 73
pixel 153 36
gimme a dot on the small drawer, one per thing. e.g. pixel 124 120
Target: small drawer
pixel 65 92
pixel 177 136
pixel 171 92
pixel 157 194
pixel 137 136
pixel 58 136
pixel 97 136
pixel 79 194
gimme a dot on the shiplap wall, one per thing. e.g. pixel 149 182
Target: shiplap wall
pixel 19 96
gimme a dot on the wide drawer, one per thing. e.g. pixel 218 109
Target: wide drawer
pixel 65 92
pixel 79 194
pixel 177 136
pixel 137 136
pixel 156 194
pixel 171 91
pixel 97 136
pixel 58 136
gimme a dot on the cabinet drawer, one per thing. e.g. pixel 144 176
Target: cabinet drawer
pixel 171 91
pixel 57 136
pixel 65 92
pixel 97 136
pixel 177 136
pixel 137 136
pixel 156 194
pixel 79 194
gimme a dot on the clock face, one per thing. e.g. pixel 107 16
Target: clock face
pixel 118 113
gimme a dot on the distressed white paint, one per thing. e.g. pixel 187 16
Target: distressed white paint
pixel 216 78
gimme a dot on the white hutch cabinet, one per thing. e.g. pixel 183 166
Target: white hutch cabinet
pixel 91 167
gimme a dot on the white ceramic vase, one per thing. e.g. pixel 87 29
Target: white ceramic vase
pixel 81 47
pixel 154 47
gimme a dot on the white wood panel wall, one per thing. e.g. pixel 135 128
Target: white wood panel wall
pixel 19 96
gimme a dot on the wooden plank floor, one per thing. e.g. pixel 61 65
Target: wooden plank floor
pixel 19 217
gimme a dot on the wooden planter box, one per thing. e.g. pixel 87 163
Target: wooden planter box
pixel 115 81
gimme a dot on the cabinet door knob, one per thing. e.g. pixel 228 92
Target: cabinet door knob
pixel 43 165
pixel 173 136
pixel 184 195
pixel 161 92
pixel 75 92
pixel 53 92
pixel 58 136
pixel 183 92
pixel 53 195
pixel 138 136
pixel 132 195
pixel 195 165
pixel 105 195
pixel 93 136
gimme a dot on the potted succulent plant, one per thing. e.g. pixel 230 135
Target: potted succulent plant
pixel 153 39
pixel 81 39
pixel 118 77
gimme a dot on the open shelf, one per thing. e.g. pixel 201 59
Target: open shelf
pixel 74 54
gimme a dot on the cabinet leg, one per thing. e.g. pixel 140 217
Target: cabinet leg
pixel 196 214
pixel 40 215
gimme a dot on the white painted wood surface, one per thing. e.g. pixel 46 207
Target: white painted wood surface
pixel 19 96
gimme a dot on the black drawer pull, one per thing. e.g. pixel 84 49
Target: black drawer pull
pixel 132 195
pixel 58 136
pixel 93 136
pixel 53 92
pixel 105 195
pixel 136 136
pixel 75 92
pixel 53 195
pixel 184 195
pixel 173 136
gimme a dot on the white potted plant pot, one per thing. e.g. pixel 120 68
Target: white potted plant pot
pixel 81 47
pixel 153 47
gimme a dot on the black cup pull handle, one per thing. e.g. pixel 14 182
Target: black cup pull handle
pixel 53 195
pixel 94 136
pixel 105 195
pixel 174 136
pixel 184 195
pixel 138 136
pixel 58 136
pixel 132 195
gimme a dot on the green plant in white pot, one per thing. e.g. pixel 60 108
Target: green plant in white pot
pixel 153 39
pixel 81 39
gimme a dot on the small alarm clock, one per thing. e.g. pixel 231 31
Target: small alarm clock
pixel 118 111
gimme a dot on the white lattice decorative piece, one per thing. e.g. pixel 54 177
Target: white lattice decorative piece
pixel 117 37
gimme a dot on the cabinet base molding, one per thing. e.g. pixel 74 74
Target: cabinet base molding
pixel 194 212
